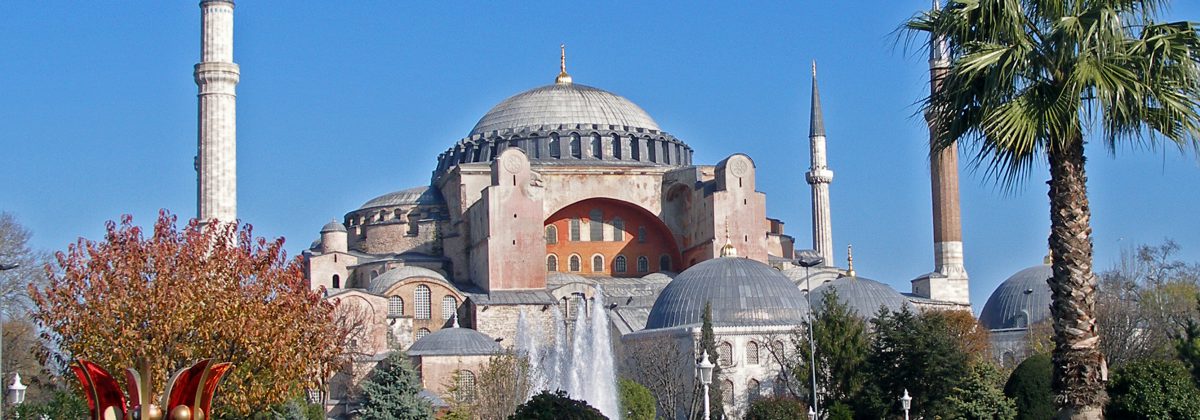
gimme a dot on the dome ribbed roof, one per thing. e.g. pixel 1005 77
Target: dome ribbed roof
pixel 566 104
pixel 1021 300
pixel 417 195
pixel 454 342
pixel 863 295
pixel 333 226
pixel 742 292
pixel 385 281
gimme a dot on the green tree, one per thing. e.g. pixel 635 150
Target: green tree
pixel 1027 80
pixel 1187 346
pixel 637 403
pixel 61 404
pixel 555 406
pixel 1029 387
pixel 1153 389
pixel 708 344
pixel 842 346
pixel 918 353
pixel 390 393
pixel 979 397
pixel 777 408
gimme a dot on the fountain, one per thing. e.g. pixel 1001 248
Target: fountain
pixel 582 366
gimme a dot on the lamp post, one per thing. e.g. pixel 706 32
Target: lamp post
pixel 4 267
pixel 906 403
pixel 16 391
pixel 704 369
pixel 808 259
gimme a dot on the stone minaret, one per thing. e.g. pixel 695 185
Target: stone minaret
pixel 949 280
pixel 819 177
pixel 217 78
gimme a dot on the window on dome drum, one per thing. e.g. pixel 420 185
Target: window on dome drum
pixel 618 229
pixel 551 263
pixel 725 354
pixel 727 392
pixel 664 263
pixel 752 353
pixel 753 390
pixel 421 333
pixel 635 149
pixel 576 148
pixel 573 264
pixel 616 146
pixel 641 234
pixel 555 150
pixel 778 349
pixel 466 386
pixel 666 152
pixel 574 229
pixel 551 234
pixel 395 307
pixel 421 296
pixel 619 264
pixel 650 153
pixel 597 147
pixel 537 148
pixel 449 306
pixel 643 264
pixel 337 281
pixel 597 263
pixel 596 225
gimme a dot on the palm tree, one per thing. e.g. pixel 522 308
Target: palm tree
pixel 1029 80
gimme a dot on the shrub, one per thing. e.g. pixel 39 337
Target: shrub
pixel 556 406
pixel 777 408
pixel 637 403
pixel 1153 389
pixel 1029 385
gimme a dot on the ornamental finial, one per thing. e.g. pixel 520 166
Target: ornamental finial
pixel 563 78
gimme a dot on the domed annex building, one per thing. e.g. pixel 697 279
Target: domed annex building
pixel 1019 303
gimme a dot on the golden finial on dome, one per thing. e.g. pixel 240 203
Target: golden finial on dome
pixel 850 261
pixel 563 78
pixel 728 250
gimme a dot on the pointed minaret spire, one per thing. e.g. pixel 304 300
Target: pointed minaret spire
pixel 819 177
pixel 563 78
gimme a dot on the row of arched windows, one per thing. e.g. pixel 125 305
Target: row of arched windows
pixel 756 353
pixel 422 297
pixel 620 265
pixel 596 229
pixel 618 148
pixel 597 150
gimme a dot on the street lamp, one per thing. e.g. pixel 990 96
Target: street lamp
pixel 808 259
pixel 705 370
pixel 16 391
pixel 4 267
pixel 906 403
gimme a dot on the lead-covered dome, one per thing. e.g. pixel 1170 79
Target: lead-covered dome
pixel 1020 301
pixel 863 295
pixel 742 292
pixel 567 104
pixel 454 341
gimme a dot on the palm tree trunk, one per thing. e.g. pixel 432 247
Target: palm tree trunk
pixel 1079 367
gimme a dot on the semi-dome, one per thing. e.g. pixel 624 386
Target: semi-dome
pixel 385 281
pixel 454 342
pixel 863 295
pixel 568 104
pixel 1020 301
pixel 742 292
pixel 413 196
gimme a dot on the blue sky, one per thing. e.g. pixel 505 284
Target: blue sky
pixel 340 102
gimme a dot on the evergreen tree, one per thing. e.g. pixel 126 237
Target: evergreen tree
pixel 637 403
pixel 391 392
pixel 1153 389
pixel 842 347
pixel 979 397
pixel 1187 346
pixel 1029 386
pixel 555 406
pixel 913 352
pixel 708 344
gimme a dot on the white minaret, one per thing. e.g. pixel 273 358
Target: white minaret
pixel 819 177
pixel 217 79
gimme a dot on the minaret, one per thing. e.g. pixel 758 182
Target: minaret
pixel 819 176
pixel 949 280
pixel 217 78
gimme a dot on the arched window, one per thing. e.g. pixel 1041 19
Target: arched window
pixel 449 306
pixel 421 295
pixel 752 353
pixel 597 263
pixel 778 349
pixel 641 234
pixel 466 386
pixel 725 354
pixel 635 149
pixel 551 234
pixel 619 264
pixel 395 306
pixel 551 263
pixel 337 280
pixel 616 146
pixel 574 229
pixel 753 390
pixel 397 214
pixel 643 264
pixel 597 148
pixel 421 333
pixel 651 154
pixel 727 392
pixel 596 225
pixel 618 229
pixel 555 148
pixel 576 148
pixel 666 152
pixel 664 263
pixel 573 264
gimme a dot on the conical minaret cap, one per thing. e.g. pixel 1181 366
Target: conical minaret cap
pixel 816 121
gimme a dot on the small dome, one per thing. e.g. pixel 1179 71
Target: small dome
pixel 333 226
pixel 454 342
pixel 742 292
pixel 413 196
pixel 1021 300
pixel 381 284
pixel 563 104
pixel 863 295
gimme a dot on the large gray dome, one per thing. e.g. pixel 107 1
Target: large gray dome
pixel 742 292
pixel 863 295
pixel 454 342
pixel 565 104
pixel 413 196
pixel 1020 301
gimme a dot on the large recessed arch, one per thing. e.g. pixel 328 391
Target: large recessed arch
pixel 660 240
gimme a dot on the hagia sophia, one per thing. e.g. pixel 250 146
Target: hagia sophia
pixel 565 195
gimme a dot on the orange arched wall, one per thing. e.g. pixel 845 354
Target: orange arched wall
pixel 659 239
